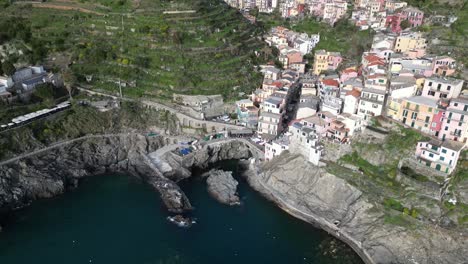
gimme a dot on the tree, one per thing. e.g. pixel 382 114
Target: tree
pixel 8 68
pixel 278 64
pixel 69 80
pixel 405 24
pixel 254 11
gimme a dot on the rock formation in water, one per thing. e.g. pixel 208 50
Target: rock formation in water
pixel 222 186
pixel 312 194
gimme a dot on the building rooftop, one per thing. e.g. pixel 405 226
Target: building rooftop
pixel 453 145
pixel 331 82
pixel 273 115
pixel 375 91
pixel 274 100
pixel 446 80
pixel 423 101
pixel 354 93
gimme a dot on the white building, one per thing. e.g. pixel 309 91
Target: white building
pixel 436 87
pixel 269 124
pixel 351 101
pixel 331 104
pixel 276 147
pixel 273 105
pixel 371 103
pixel 399 91
pixel 352 122
pixel 439 155
pixel 304 141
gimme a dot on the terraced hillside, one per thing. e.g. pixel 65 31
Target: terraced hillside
pixel 154 47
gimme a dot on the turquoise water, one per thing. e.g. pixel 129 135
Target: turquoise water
pixel 116 219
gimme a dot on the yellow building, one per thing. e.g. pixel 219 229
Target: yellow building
pixel 417 112
pixel 410 41
pixel 393 108
pixel 325 60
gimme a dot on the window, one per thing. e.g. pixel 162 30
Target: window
pixel 448 88
pixel 430 109
pixel 434 124
pixel 431 155
pixel 427 119
pixel 446 128
pixel 430 84
pixel 438 87
pixel 442 158
pixel 444 150
pixel 455 104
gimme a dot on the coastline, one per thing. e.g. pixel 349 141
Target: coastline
pixel 255 182
pixel 330 204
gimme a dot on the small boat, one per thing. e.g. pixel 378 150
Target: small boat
pixel 181 221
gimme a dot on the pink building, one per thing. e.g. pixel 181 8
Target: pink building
pixel 437 118
pixel 413 15
pixel 393 22
pixel 294 57
pixel 348 74
pixel 455 122
pixel 443 66
pixel 335 59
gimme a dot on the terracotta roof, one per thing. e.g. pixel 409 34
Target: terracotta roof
pixel 331 82
pixel 354 93
pixel 376 63
pixel 349 70
pixel 371 58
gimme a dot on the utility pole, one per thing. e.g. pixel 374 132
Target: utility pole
pixel 121 50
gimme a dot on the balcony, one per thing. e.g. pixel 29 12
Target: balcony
pixel 455 134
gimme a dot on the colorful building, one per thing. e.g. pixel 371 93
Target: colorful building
pixel 326 61
pixel 417 112
pixel 455 121
pixel 439 155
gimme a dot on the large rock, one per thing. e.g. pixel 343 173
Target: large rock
pixel 222 186
pixel 316 196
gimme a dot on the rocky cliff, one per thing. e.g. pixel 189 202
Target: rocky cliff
pixel 53 172
pixel 312 194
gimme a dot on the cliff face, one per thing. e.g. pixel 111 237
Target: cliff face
pixel 53 172
pixel 314 195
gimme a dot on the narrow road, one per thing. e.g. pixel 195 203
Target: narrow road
pixel 57 145
pixel 160 106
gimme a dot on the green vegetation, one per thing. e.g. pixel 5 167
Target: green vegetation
pixel 400 220
pixel 384 175
pixel 405 139
pixel 81 120
pixel 393 204
pixel 211 51
pixel 412 174
pixel 453 38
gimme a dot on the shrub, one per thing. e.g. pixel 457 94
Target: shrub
pixel 391 203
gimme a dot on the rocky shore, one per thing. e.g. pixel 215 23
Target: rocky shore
pixel 330 203
pixel 53 172
pixel 296 186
